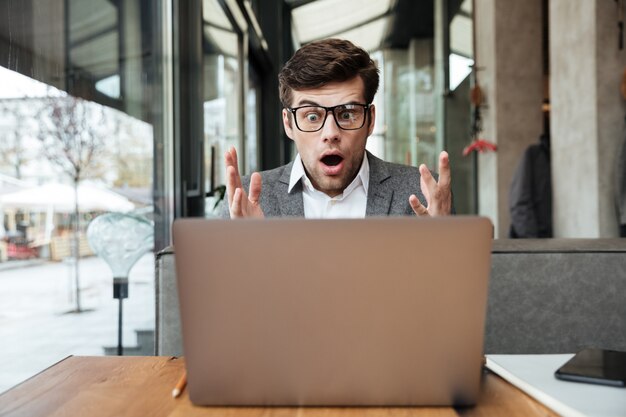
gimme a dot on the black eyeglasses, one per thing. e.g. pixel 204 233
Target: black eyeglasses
pixel 347 116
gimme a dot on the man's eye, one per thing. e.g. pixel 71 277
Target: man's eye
pixel 347 115
pixel 312 117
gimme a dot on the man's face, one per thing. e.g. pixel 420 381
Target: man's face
pixel 331 156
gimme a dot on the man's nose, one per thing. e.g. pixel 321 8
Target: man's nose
pixel 330 130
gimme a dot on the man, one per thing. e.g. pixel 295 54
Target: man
pixel 327 89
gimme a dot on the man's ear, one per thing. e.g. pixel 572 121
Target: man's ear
pixel 372 119
pixel 287 124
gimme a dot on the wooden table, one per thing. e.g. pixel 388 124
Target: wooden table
pixel 142 386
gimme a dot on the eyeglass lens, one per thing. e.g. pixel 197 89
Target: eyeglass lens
pixel 348 117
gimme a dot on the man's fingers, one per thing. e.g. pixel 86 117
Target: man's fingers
pixel 231 184
pixel 255 188
pixel 230 159
pixel 424 188
pixel 239 204
pixel 428 182
pixel 425 173
pixel 444 169
pixel 233 154
pixel 233 179
pixel 236 209
pixel 437 192
pixel 417 206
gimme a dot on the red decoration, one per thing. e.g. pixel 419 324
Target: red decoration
pixel 480 145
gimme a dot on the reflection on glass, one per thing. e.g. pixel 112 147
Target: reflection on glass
pixel 221 91
pixel 409 104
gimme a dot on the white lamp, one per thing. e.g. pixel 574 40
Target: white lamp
pixel 120 239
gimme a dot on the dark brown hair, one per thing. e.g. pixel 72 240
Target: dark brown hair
pixel 321 62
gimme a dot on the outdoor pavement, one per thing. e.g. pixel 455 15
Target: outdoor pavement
pixel 36 328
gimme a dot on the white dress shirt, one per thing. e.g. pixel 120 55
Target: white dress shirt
pixel 317 205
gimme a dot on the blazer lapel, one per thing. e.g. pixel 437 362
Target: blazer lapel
pixel 289 204
pixel 378 196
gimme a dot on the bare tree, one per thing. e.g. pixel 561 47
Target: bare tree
pixel 73 134
pixel 12 150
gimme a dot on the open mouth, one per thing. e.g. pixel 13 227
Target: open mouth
pixel 332 160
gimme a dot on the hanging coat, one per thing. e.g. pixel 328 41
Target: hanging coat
pixel 530 198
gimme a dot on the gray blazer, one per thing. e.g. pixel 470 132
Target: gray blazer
pixel 390 186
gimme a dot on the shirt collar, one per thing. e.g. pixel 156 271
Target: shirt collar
pixel 298 174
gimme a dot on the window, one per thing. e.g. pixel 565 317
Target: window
pixel 86 102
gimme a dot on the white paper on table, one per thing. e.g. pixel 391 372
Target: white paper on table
pixel 534 374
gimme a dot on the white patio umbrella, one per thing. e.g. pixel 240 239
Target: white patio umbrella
pixel 61 198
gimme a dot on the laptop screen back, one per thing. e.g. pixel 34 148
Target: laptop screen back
pixel 373 312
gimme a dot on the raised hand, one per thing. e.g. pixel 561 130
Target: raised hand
pixel 239 204
pixel 437 193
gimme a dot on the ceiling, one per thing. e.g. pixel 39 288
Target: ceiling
pixel 375 24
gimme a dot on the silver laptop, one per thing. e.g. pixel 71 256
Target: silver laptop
pixel 360 312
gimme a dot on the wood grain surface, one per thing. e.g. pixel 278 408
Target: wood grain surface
pixel 142 386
